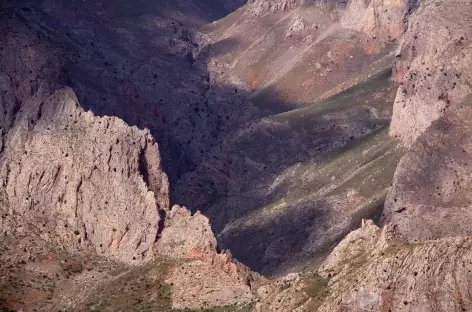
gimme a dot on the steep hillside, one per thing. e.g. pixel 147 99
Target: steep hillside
pixel 420 260
pixel 85 204
pixel 322 87
pixel 280 124
pixel 430 195
pixel 137 62
pixel 290 53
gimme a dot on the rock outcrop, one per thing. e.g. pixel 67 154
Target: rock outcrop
pixel 186 235
pixel 87 181
pixel 372 269
pixel 430 194
pixel 259 7
pixel 207 278
pixel 383 20
pixel 83 178
pixel 433 70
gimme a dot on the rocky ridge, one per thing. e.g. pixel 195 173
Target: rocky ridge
pixel 55 154
pixel 89 186
pixel 372 269
pixel 89 191
pixel 431 114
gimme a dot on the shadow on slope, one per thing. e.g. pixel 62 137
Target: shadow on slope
pixel 298 219
pixel 138 62
pixel 310 175
pixel 266 184
pixel 287 188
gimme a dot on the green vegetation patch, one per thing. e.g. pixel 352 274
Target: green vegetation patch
pixel 347 98
pixel 316 288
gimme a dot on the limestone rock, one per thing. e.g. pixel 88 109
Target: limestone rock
pixel 430 194
pixel 206 278
pixel 84 181
pixel 374 270
pixel 186 236
pixel 199 283
pixel 398 276
pixel 433 70
pixel 83 178
pixel 382 20
pixel 430 197
pixel 354 245
pixel 259 7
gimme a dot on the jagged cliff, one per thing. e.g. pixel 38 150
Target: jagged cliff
pixel 271 125
pixel 431 114
pixel 89 181
pixel 372 269
pixel 84 198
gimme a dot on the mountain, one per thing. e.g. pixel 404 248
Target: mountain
pixel 221 155
pixel 283 188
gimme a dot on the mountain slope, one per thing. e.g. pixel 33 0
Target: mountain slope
pixel 272 125
pixel 211 96
pixel 431 114
pixel 319 87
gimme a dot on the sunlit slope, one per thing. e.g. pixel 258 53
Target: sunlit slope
pixel 312 205
pixel 309 176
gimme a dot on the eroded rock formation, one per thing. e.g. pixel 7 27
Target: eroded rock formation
pixel 209 279
pixel 276 117
pixel 88 181
pixel 430 194
pixel 433 70
pixel 90 189
pixel 372 269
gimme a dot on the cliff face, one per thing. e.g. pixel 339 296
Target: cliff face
pixel 211 279
pixel 272 121
pixel 84 197
pixel 75 174
pixel 372 269
pixel 420 259
pixel 430 194
pixel 259 7
pixel 385 273
pixel 433 70
pixel 385 20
